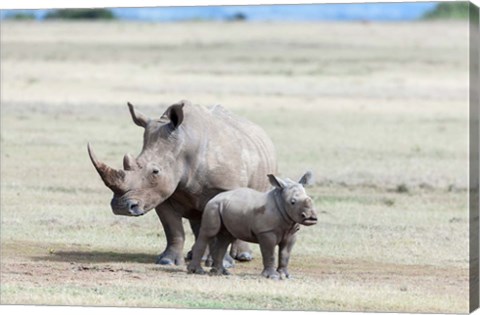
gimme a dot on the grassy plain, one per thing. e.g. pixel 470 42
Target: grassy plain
pixel 379 112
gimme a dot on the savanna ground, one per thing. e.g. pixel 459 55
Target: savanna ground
pixel 379 112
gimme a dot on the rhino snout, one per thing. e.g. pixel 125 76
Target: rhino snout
pixel 134 208
pixel 309 218
pixel 129 207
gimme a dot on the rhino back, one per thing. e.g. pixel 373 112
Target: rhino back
pixel 224 152
pixel 257 153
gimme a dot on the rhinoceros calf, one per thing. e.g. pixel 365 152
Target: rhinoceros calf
pixel 269 219
pixel 186 156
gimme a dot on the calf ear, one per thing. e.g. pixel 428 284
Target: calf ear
pixel 276 182
pixel 138 118
pixel 175 114
pixel 307 179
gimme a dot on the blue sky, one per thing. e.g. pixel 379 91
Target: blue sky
pixel 316 12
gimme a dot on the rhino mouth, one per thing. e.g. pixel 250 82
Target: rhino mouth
pixel 310 221
pixel 137 213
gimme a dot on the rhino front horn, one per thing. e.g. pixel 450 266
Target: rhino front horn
pixel 112 178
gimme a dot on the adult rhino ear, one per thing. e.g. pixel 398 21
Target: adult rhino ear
pixel 276 182
pixel 138 118
pixel 175 114
pixel 307 179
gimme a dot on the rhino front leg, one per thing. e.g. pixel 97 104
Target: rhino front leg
pixel 267 244
pixel 171 219
pixel 284 250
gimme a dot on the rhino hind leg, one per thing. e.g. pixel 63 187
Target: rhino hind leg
pixel 211 224
pixel 219 251
pixel 195 225
pixel 228 261
pixel 195 264
pixel 241 251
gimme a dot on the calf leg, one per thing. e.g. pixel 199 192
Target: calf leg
pixel 195 225
pixel 267 242
pixel 219 250
pixel 227 259
pixel 171 219
pixel 284 250
pixel 211 224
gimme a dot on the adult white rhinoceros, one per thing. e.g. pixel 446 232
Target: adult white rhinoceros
pixel 189 155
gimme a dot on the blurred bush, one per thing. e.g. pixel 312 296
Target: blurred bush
pixel 239 16
pixel 20 16
pixel 81 14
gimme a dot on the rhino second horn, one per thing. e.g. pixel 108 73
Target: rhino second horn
pixel 111 177
pixel 129 163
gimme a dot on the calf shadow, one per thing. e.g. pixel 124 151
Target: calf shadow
pixel 97 257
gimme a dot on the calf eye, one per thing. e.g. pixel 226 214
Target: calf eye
pixel 293 201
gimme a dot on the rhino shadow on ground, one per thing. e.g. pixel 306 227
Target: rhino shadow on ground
pixel 97 257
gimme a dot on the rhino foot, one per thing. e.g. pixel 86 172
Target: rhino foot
pixel 283 274
pixel 195 269
pixel 228 261
pixel 190 256
pixel 219 272
pixel 169 259
pixel 271 274
pixel 245 256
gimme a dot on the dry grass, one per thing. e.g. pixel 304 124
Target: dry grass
pixel 378 111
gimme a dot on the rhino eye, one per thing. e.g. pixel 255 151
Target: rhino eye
pixel 156 171
pixel 293 201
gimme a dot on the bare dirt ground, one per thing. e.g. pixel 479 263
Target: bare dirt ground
pixel 379 112
pixel 112 270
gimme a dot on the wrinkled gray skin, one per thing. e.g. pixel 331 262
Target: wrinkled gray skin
pixel 269 219
pixel 189 155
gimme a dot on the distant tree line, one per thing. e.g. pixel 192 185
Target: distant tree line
pixel 81 14
pixel 449 10
pixel 67 14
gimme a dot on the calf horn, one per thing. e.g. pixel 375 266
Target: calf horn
pixel 112 178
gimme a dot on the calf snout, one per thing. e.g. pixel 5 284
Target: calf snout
pixel 309 217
